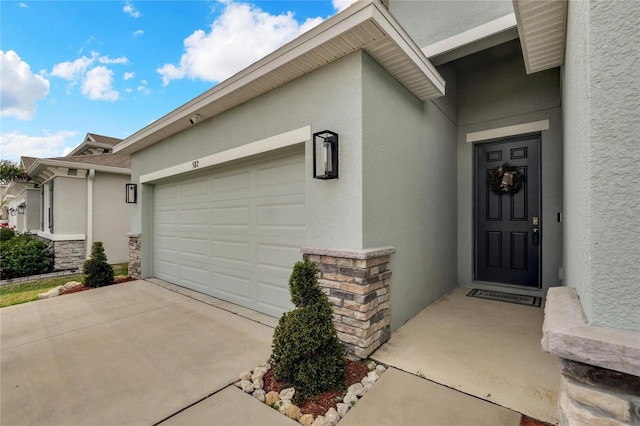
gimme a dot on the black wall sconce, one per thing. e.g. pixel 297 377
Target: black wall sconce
pixel 325 155
pixel 132 193
pixel 21 208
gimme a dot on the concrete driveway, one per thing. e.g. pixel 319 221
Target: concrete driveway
pixel 135 353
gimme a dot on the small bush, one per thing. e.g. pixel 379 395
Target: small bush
pixel 23 256
pixel 97 270
pixel 306 351
pixel 6 234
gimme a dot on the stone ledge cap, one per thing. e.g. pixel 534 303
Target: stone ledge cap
pixel 567 334
pixel 350 253
pixel 134 235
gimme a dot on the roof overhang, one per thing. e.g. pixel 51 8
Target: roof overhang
pixel 44 169
pixel 365 25
pixel 542 27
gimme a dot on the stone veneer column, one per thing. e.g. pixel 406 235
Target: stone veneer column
pixel 357 283
pixel 135 244
pixel 68 254
pixel 600 367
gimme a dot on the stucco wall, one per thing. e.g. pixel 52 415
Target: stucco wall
pixel 409 156
pixel 500 94
pixel 329 98
pixel 32 213
pixel 430 21
pixel 601 93
pixel 70 205
pixel 111 215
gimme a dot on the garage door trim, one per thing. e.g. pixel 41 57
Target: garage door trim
pixel 272 143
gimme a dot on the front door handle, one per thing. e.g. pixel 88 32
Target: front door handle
pixel 535 236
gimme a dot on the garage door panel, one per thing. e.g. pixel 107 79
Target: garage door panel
pixel 277 259
pixel 234 234
pixel 233 283
pixel 273 299
pixel 231 216
pixel 236 252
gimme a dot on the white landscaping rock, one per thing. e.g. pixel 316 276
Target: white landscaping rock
pixel 380 369
pixel 350 398
pixel 342 409
pixel 283 404
pixel 371 365
pixel 287 393
pixel 373 376
pixel 245 375
pixel 321 421
pixel 358 389
pixel 332 416
pixel 51 293
pixel 259 395
pixel 246 386
pixel 71 284
pixel 258 383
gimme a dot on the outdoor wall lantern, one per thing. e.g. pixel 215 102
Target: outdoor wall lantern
pixel 325 155
pixel 132 193
pixel 21 208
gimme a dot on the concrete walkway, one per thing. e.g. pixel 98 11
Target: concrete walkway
pixel 145 353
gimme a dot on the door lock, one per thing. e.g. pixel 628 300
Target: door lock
pixel 535 221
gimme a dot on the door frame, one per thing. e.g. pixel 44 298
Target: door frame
pixel 474 192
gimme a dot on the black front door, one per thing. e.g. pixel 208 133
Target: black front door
pixel 508 233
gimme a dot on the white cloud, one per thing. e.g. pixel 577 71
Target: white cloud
pixel 107 60
pixel 130 10
pixel 144 87
pixel 137 33
pixel 16 144
pixel 340 5
pixel 242 34
pixel 23 5
pixel 98 84
pixel 73 70
pixel 129 75
pixel 19 87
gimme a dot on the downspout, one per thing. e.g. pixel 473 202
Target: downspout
pixel 89 237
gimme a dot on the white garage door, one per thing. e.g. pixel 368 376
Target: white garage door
pixel 233 234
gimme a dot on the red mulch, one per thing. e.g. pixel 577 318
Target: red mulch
pixel 118 280
pixel 528 421
pixel 318 406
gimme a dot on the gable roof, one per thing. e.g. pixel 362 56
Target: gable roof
pixel 92 140
pixel 365 25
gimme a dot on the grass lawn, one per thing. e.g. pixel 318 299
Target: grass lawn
pixel 15 294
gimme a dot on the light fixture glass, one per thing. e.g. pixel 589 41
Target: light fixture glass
pixel 132 193
pixel 325 155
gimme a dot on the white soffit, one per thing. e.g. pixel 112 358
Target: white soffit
pixel 366 25
pixel 542 27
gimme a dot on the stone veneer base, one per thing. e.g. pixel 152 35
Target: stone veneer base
pixel 67 254
pixel 135 245
pixel 357 283
pixel 600 380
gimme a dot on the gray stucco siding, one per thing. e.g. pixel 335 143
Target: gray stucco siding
pixel 602 122
pixel 444 18
pixel 111 215
pixel 409 161
pixel 329 98
pixel 70 206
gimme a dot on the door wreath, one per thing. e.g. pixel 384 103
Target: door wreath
pixel 505 179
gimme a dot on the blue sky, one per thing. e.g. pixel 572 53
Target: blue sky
pixel 111 67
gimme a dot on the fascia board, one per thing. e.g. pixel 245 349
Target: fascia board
pixel 42 163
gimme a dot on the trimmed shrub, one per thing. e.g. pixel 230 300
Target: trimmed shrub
pixel 97 270
pixel 6 234
pixel 24 255
pixel 306 351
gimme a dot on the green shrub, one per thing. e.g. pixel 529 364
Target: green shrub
pixel 97 270
pixel 6 234
pixel 24 255
pixel 306 351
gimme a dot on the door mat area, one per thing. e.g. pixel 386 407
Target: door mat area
pixel 506 297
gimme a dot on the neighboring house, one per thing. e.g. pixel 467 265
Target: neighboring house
pixel 81 199
pixel 427 98
pixel 22 201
